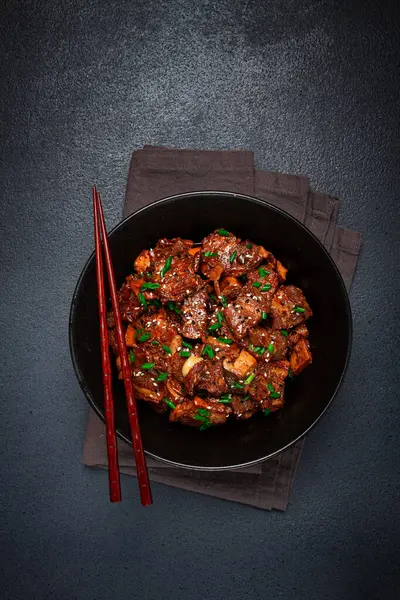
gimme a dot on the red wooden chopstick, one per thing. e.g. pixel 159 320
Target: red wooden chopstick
pixel 112 449
pixel 141 467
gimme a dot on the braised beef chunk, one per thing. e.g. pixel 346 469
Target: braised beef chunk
pixel 300 357
pixel 267 388
pixel 212 378
pixel 209 329
pixel 268 343
pixel 298 333
pixel 243 407
pixel 289 308
pixel 200 413
pixel 194 315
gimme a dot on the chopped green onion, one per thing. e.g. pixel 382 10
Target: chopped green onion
pixel 274 395
pixel 225 340
pixel 270 387
pixel 131 356
pixel 138 331
pixel 149 275
pixel 250 378
pixel 259 350
pixel 266 287
pixel 225 399
pixel 205 425
pixel 213 297
pixel 263 272
pixel 203 412
pixel 224 301
pixel 246 397
pixel 162 377
pixel 155 343
pixel 166 267
pixel 147 366
pixel 209 254
pixel 214 327
pixel 185 353
pixel 264 315
pixel 166 349
pixel 220 317
pixel 144 337
pixel 232 256
pixel 249 246
pixel 238 385
pixel 256 284
pixel 299 309
pixel 155 302
pixel 223 232
pixel 149 286
pixel 172 306
pixel 267 411
pixel 251 347
pixel 284 332
pixel 169 403
pixel 270 348
pixel 142 300
pixel 209 351
pixel 186 344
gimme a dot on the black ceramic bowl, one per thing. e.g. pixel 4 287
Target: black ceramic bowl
pixel 310 267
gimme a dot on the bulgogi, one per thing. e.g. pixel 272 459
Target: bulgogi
pixel 212 330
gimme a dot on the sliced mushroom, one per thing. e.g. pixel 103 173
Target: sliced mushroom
pixel 189 364
pixel 243 365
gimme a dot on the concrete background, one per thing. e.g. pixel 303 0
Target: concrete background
pixel 312 87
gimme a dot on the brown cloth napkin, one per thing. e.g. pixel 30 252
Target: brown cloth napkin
pixel 158 172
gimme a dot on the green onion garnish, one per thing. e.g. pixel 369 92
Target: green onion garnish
pixel 223 232
pixel 213 297
pixel 274 395
pixel 166 349
pixel 256 284
pixel 155 343
pixel 172 306
pixel 149 286
pixel 144 337
pixel 264 315
pixel 155 302
pixel 246 397
pixel 250 378
pixel 249 246
pixel 209 254
pixel 270 387
pixel 225 340
pixel 284 332
pixel 166 267
pixel 251 347
pixel 299 309
pixel 267 411
pixel 169 403
pixel 232 256
pixel 149 275
pixel 186 344
pixel 225 399
pixel 147 366
pixel 209 351
pixel 214 327
pixel 266 287
pixel 259 350
pixel 224 301
pixel 238 385
pixel 185 353
pixel 203 412
pixel 270 348
pixel 205 425
pixel 263 272
pixel 162 377
pixel 142 300
pixel 220 317
pixel 131 356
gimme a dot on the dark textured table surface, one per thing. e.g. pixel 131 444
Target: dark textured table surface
pixel 310 86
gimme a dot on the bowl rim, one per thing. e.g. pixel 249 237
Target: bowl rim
pixel 199 194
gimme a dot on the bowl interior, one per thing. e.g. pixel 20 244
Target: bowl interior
pixel 310 267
